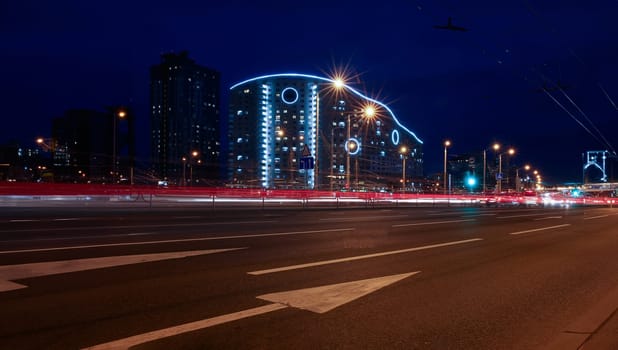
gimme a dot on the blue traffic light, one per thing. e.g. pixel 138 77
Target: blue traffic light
pixel 471 181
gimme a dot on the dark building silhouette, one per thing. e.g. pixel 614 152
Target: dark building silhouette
pixel 93 146
pixel 81 149
pixel 185 103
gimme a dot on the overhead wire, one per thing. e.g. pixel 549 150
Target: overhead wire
pixel 597 134
pixel 552 30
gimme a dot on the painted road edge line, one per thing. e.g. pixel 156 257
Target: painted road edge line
pixel 432 223
pixel 360 257
pixel 539 229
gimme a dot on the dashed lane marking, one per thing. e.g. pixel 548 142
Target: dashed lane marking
pixel 360 257
pixel 539 229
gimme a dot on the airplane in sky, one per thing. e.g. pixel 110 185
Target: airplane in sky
pixel 450 26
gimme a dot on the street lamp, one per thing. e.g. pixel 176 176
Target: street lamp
pixel 518 179
pixel 184 167
pixel 351 145
pixel 447 143
pixel 496 147
pixel 194 154
pixel 510 152
pixel 117 114
pixel 403 150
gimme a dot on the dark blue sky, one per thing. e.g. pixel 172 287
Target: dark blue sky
pixel 472 87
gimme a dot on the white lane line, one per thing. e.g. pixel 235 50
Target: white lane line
pixel 187 327
pixel 539 229
pixel 66 219
pixel 549 217
pixel 596 217
pixel 23 220
pixel 141 233
pixel 360 257
pixel 103 227
pixel 432 223
pixel 174 241
pixel 475 215
pixel 518 216
pixel 363 218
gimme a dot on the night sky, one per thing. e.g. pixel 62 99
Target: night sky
pixel 541 76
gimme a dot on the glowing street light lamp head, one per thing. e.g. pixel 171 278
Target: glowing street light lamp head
pixel 369 111
pixel 527 167
pixel 122 114
pixel 496 147
pixel 447 143
pixel 195 153
pixel 403 149
pixel 39 140
pixel 338 83
pixel 511 151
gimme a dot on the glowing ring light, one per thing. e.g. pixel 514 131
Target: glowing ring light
pixel 286 100
pixel 354 141
pixel 395 137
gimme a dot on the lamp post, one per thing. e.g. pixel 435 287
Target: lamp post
pixel 332 155
pixel 447 143
pixel 403 150
pixel 194 154
pixel 184 167
pixel 499 180
pixel 518 179
pixel 496 147
pixel 352 146
pixel 347 151
pixel 117 114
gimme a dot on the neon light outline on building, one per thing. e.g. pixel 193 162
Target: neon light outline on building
pixel 354 91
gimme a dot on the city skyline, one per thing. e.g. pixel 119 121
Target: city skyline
pixel 506 79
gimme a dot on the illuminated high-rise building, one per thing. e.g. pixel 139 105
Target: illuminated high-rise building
pixel 185 104
pixel 303 131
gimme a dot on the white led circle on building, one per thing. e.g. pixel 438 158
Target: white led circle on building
pixel 357 146
pixel 395 137
pixel 289 95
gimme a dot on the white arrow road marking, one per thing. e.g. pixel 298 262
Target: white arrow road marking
pixel 325 298
pixel 359 257
pixel 317 299
pixel 17 272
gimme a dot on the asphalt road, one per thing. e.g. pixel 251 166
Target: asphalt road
pixel 389 278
